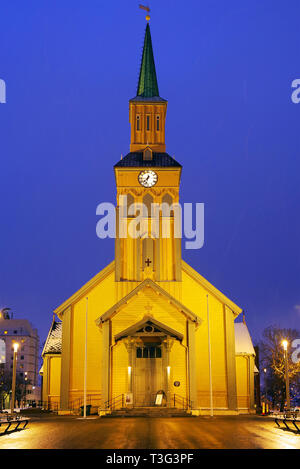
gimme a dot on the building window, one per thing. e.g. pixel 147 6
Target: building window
pixel 167 202
pixel 157 122
pixel 15 332
pixel 148 122
pixel 138 123
pixel 22 357
pixel 148 352
pixel 2 351
pixel 148 201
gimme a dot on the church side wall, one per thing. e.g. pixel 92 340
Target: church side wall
pixel 54 367
pixel 100 298
pixel 194 297
pixel 243 384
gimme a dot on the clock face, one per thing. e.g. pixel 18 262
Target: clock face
pixel 148 178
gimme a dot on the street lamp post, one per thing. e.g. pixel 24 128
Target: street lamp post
pixel 266 393
pixel 287 381
pixel 25 389
pixel 13 392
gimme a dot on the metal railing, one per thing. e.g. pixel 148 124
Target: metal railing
pixel 181 402
pixel 117 402
pixel 93 400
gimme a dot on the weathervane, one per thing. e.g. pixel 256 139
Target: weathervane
pixel 142 7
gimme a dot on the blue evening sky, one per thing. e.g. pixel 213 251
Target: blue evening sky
pixel 226 68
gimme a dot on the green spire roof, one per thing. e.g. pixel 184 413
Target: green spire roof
pixel 147 86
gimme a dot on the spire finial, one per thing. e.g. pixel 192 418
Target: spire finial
pixel 147 85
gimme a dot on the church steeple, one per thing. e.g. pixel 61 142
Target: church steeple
pixel 147 111
pixel 147 86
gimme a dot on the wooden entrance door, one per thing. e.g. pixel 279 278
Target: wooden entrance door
pixel 148 376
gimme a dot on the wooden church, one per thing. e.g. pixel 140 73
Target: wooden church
pixel 156 334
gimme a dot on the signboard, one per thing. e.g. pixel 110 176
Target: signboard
pixel 177 384
pixel 158 400
pixel 129 398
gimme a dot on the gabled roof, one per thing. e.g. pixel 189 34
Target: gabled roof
pixel 243 342
pixel 210 288
pixel 148 320
pixel 148 283
pixel 86 288
pixel 147 86
pixel 53 341
pixel 136 160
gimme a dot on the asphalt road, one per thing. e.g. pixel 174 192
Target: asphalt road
pixel 240 432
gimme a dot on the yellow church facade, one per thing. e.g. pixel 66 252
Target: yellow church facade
pixel 148 330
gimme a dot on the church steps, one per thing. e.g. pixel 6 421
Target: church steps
pixel 149 412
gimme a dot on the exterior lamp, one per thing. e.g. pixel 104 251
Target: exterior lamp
pixel 129 379
pixel 285 344
pixel 13 393
pixel 287 381
pixel 16 346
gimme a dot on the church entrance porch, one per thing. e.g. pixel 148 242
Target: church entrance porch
pixel 148 374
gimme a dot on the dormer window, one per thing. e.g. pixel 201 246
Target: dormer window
pixel 138 123
pixel 147 154
pixel 157 123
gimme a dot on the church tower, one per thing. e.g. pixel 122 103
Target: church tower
pixel 150 176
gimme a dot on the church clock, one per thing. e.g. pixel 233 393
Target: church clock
pixel 148 178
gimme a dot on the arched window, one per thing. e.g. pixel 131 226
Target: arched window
pixel 148 122
pixel 125 202
pixel 157 123
pixel 167 200
pixel 2 351
pixel 138 123
pixel 148 201
pixel 130 201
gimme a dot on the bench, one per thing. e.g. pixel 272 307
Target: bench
pixel 11 423
pixel 293 418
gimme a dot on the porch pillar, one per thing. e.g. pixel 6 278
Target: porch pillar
pixel 130 347
pixel 168 345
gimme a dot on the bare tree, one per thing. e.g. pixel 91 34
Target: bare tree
pixel 272 358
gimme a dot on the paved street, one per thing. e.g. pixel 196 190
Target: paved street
pixel 51 431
